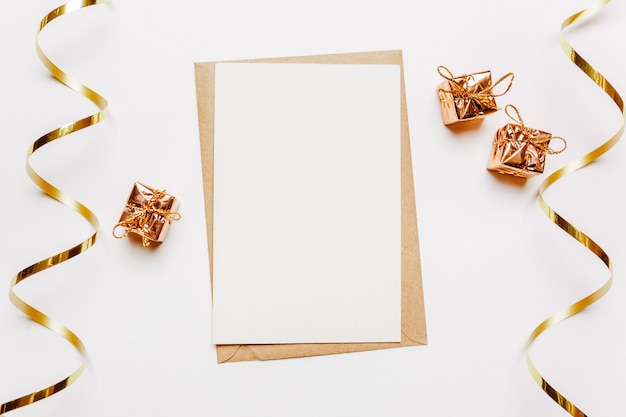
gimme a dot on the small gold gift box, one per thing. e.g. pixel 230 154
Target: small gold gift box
pixel 148 213
pixel 468 96
pixel 519 150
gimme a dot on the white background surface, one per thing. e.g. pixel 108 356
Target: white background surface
pixel 493 265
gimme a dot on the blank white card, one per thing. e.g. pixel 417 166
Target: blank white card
pixel 306 239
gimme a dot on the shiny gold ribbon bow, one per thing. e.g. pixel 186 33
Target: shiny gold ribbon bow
pixel 482 98
pixel 530 133
pixel 141 214
pixel 65 199
pixel 566 226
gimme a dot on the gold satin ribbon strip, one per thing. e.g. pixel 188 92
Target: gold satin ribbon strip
pixel 569 228
pixel 62 197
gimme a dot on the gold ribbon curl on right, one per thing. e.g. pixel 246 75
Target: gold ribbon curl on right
pixel 566 226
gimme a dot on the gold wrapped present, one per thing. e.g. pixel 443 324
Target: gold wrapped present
pixel 148 213
pixel 519 150
pixel 468 96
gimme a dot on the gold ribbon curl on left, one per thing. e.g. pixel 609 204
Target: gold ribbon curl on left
pixel 65 199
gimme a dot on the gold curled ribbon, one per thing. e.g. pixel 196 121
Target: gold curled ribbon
pixel 141 213
pixel 569 228
pixel 483 98
pixel 529 132
pixel 65 199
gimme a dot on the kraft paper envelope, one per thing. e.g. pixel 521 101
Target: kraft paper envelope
pixel 413 316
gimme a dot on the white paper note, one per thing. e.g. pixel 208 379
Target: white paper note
pixel 306 203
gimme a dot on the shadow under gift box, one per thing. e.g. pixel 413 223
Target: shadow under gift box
pixel 519 151
pixel 466 97
pixel 148 213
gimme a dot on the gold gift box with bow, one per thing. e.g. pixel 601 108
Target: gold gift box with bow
pixel 468 96
pixel 148 213
pixel 519 150
pixel 516 152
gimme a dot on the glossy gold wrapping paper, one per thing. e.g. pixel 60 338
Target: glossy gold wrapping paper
pixel 148 213
pixel 466 97
pixel 519 151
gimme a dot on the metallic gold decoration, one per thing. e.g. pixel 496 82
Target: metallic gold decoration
pixel 148 213
pixel 520 150
pixel 468 96
pixel 67 200
pixel 569 228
